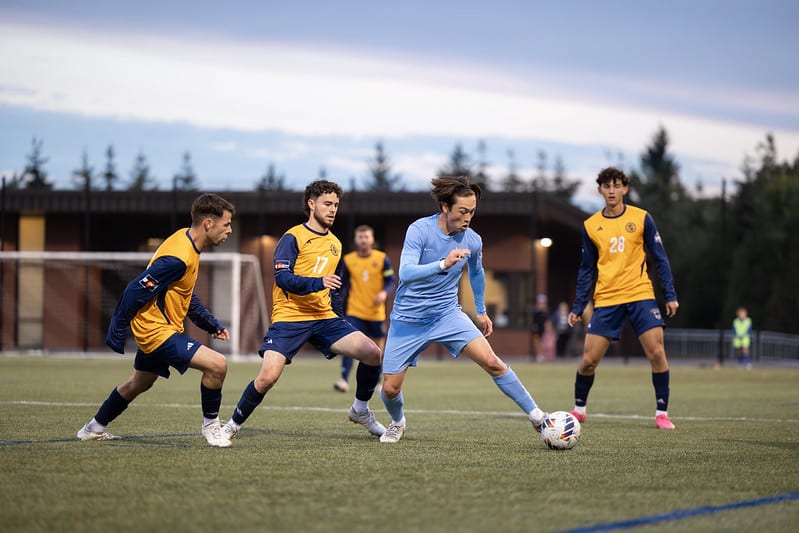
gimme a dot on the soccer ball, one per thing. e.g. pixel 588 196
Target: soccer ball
pixel 560 430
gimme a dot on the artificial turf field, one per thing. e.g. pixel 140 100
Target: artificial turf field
pixel 469 461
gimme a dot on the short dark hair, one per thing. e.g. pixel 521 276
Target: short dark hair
pixel 209 204
pixel 611 174
pixel 364 227
pixel 446 188
pixel 317 188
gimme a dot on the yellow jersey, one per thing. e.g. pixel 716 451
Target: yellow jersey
pixel 302 258
pixel 367 276
pixel 163 316
pixel 613 270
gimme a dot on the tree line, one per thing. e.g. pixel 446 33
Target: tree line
pixel 380 177
pixel 738 248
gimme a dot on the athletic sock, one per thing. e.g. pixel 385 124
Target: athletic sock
pixel 394 406
pixel 250 399
pixel 582 385
pixel 112 407
pixel 346 367
pixel 661 382
pixel 360 406
pixel 509 384
pixel 366 378
pixel 210 399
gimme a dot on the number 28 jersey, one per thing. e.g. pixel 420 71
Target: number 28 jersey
pixel 302 258
pixel 614 260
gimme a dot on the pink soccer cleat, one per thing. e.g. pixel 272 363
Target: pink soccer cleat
pixel 580 417
pixel 663 422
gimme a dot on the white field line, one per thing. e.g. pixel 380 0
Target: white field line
pixel 413 411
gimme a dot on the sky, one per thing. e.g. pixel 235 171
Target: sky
pixel 312 87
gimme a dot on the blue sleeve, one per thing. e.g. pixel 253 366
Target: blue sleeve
pixel 388 276
pixel 409 268
pixel 586 275
pixel 477 278
pixel 336 295
pixel 286 254
pixel 655 248
pixel 202 317
pixel 146 286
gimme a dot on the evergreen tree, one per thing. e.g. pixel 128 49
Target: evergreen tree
pixel 380 176
pixel 271 181
pixel 34 175
pixel 82 176
pixel 458 164
pixel 562 187
pixel 140 178
pixel 766 245
pixel 185 179
pixel 481 177
pixel 512 182
pixel 110 176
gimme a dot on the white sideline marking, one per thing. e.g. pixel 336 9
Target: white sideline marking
pixel 414 411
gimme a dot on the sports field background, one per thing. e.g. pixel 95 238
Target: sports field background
pixel 469 460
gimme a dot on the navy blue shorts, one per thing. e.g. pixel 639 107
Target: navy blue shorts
pixel 287 338
pixel 176 351
pixel 608 321
pixel 371 328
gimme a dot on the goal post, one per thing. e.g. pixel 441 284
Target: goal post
pixel 63 301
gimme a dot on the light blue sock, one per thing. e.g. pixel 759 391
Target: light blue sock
pixel 395 406
pixel 509 384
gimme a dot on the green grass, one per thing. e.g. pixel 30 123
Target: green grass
pixel 469 460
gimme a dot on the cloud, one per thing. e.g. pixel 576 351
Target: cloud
pixel 300 92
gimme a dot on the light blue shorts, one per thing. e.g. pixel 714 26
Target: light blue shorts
pixel 407 339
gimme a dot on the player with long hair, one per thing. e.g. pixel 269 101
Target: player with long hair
pixel 426 310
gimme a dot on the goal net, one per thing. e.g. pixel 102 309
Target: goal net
pixel 63 301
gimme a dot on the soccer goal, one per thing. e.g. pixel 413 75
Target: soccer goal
pixel 63 301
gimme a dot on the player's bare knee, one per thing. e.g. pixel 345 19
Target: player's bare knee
pixel 391 390
pixel 370 354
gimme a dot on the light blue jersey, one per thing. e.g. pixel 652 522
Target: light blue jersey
pixel 425 291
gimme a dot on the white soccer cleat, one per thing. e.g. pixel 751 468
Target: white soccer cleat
pixel 393 433
pixel 368 420
pixel 213 434
pixel 86 434
pixel 229 430
pixel 341 385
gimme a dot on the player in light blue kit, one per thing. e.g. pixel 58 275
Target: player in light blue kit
pixel 426 308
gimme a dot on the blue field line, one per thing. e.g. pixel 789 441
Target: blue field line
pixel 683 513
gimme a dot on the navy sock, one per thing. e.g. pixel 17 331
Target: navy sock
pixel 210 399
pixel 250 399
pixel 366 378
pixel 582 385
pixel 112 407
pixel 346 367
pixel 661 382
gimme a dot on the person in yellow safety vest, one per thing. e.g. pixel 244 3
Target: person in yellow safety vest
pixel 742 338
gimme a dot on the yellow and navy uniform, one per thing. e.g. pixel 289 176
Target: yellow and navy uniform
pixel 302 258
pixel 157 302
pixel 613 269
pixel 364 277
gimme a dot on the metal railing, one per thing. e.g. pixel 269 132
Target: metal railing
pixel 710 343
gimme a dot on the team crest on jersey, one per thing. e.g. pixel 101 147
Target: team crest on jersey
pixel 630 227
pixel 655 312
pixel 334 250
pixel 149 282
